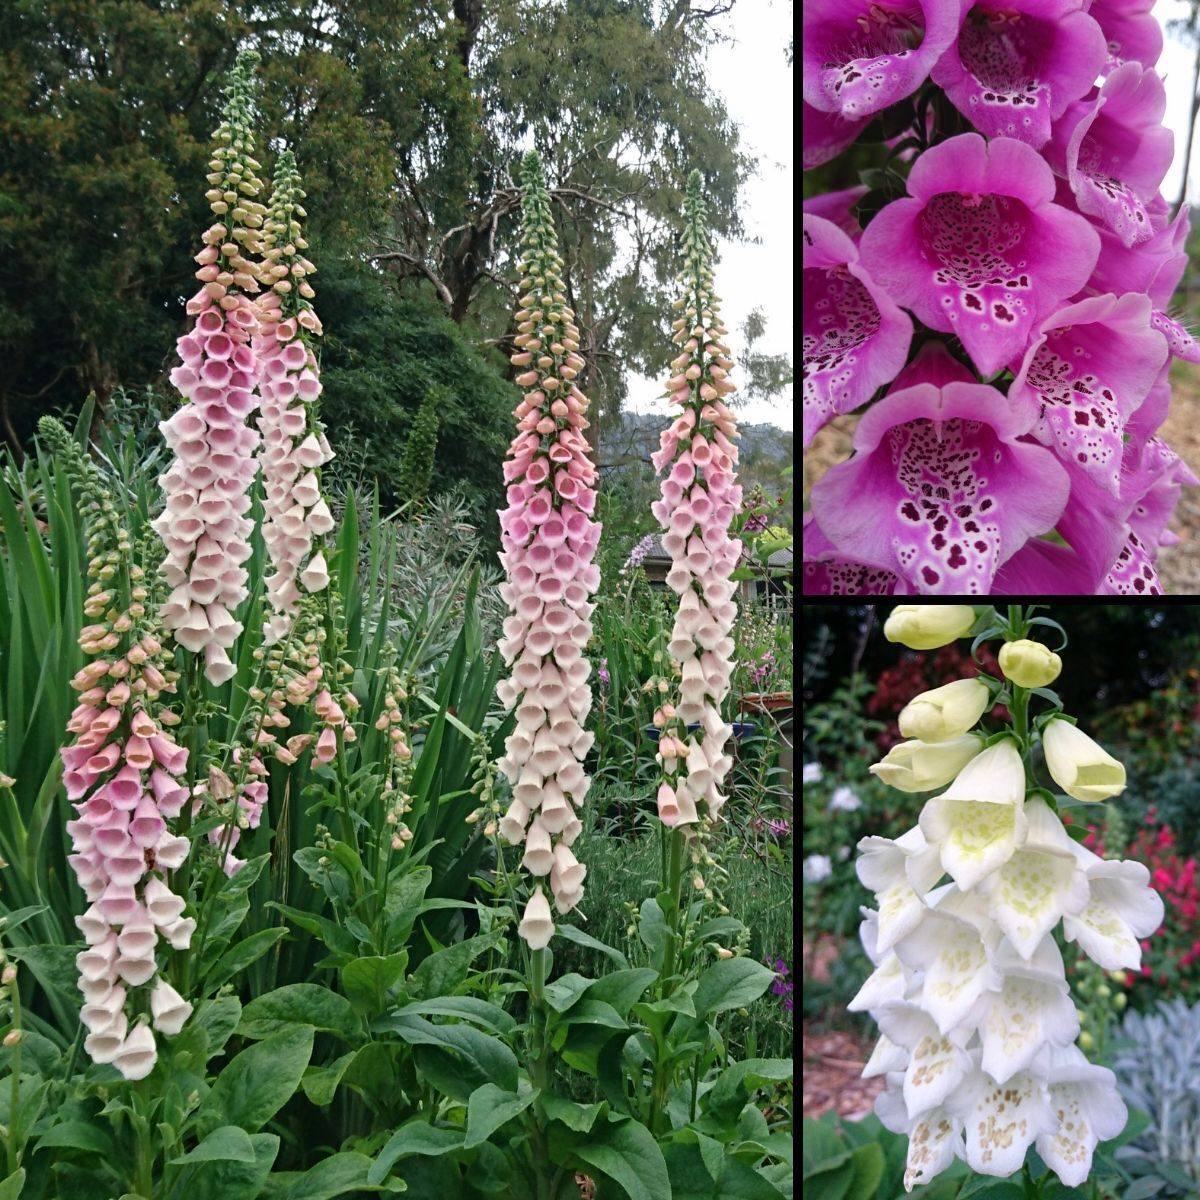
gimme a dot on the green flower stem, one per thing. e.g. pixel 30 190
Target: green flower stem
pixel 13 1141
pixel 673 857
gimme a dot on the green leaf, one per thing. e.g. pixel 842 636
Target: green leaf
pixel 229 1143
pixel 320 1083
pixel 474 1058
pixel 490 1107
pixel 628 1154
pixel 469 1008
pixel 441 973
pixel 77 1135
pixel 12 1187
pixel 699 1176
pixel 562 993
pixel 594 1012
pixel 300 1004
pixel 257 1083
pixel 652 928
pixel 366 981
pixel 622 988
pixel 334 1176
pixel 731 983
pixel 241 955
pixel 576 1116
pixel 416 1137
pixel 1140 1189
pixel 731 1089
pixel 228 1179
pixel 869 1164
pixel 585 939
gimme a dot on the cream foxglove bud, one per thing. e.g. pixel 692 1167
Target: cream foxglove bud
pixel 1079 765
pixel 1029 664
pixel 946 712
pixel 928 626
pixel 918 766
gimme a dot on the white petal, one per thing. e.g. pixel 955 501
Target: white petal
pixel 900 912
pixel 1089 1110
pixel 886 1056
pixel 974 837
pixel 1031 892
pixel 932 1143
pixel 1021 1018
pixel 956 965
pixel 1003 1121
pixel 886 983
pixel 996 775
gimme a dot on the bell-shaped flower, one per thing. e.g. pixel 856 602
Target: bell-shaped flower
pixel 1115 150
pixel 918 766
pixel 1033 1008
pixel 855 337
pixel 1122 908
pixel 980 249
pixel 945 713
pixel 928 626
pixel 978 822
pixel 1017 64
pixel 1040 883
pixel 861 56
pixel 537 925
pixel 886 1057
pixel 1089 1108
pixel 934 1137
pixel 827 572
pixel 899 873
pixel 170 1010
pixel 137 1055
pixel 1002 1120
pixel 953 945
pixel 917 500
pixel 1029 664
pixel 937 1062
pixel 1079 765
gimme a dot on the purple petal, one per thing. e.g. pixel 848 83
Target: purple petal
pixel 1152 412
pixel 1154 266
pixel 861 56
pixel 825 135
pixel 855 337
pixel 1133 572
pixel 826 573
pixel 933 364
pixel 1180 341
pixel 1130 30
pixel 981 250
pixel 1154 473
pixel 1017 64
pixel 940 490
pixel 1091 366
pixel 838 207
pixel 1115 151
pixel 1044 569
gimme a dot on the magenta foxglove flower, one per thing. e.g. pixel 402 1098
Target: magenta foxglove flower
pixel 825 135
pixel 699 498
pixel 204 525
pixel 940 490
pixel 1017 64
pixel 1089 368
pixel 1131 32
pixel 828 573
pixel 838 207
pixel 1134 572
pixel 980 249
pixel 861 56
pixel 855 337
pixel 1114 150
pixel 548 540
pixel 1042 568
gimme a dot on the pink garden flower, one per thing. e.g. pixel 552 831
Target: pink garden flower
pixel 980 249
pixel 699 499
pixel 204 526
pixel 855 337
pixel 861 56
pixel 1017 64
pixel 1131 31
pixel 548 540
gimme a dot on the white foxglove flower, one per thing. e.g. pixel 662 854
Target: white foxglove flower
pixel 918 766
pixel 1121 909
pixel 899 873
pixel 1079 765
pixel 946 712
pixel 812 772
pixel 978 822
pixel 928 626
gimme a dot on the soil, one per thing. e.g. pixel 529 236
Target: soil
pixel 1179 565
pixel 833 1059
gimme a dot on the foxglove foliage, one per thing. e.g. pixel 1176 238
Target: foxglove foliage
pixel 1016 224
pixel 124 774
pixel 969 990
pixel 549 539
pixel 699 497
pixel 205 527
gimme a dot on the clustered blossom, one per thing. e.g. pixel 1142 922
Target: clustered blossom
pixel 294 446
pixel 123 772
pixel 548 540
pixel 969 990
pixel 204 526
pixel 637 555
pixel 1011 444
pixel 699 498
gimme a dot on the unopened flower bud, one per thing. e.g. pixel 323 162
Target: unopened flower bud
pixel 1029 664
pixel 928 626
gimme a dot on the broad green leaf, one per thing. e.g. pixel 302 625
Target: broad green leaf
pixel 416 1137
pixel 474 1058
pixel 229 1143
pixel 697 1175
pixel 320 1083
pixel 491 1107
pixel 334 1176
pixel 731 983
pixel 77 1135
pixel 622 988
pixel 730 1091
pixel 12 1187
pixel 228 1179
pixel 593 1012
pixel 572 934
pixel 628 1154
pixel 300 1004
pixel 576 1116
pixel 469 1008
pixel 241 955
pixel 366 981
pixel 257 1083
pixel 562 993
pixel 441 973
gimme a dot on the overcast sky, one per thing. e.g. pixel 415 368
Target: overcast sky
pixel 752 75
pixel 1176 66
